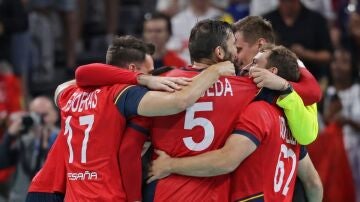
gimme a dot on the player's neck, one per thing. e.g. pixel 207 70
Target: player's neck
pixel 200 65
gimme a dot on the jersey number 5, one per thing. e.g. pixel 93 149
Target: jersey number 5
pixel 191 122
pixel 83 120
pixel 280 170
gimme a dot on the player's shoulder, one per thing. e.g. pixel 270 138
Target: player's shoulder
pixel 118 86
pixel 180 72
pixel 66 92
pixel 243 84
pixel 262 108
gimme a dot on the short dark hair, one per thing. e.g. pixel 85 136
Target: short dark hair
pixel 205 36
pixel 254 28
pixel 127 49
pixel 284 60
pixel 159 16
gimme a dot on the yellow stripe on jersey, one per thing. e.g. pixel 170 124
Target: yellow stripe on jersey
pixel 121 92
pixel 302 120
pixel 252 198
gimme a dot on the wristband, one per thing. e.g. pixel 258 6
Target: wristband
pixel 287 90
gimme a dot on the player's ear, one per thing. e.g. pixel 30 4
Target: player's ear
pixel 274 70
pixel 219 53
pixel 132 67
pixel 261 42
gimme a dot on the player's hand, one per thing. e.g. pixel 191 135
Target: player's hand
pixel 169 84
pixel 160 167
pixel 264 78
pixel 226 68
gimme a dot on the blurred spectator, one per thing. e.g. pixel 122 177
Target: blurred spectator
pixel 41 22
pixel 27 141
pixel 260 7
pixel 325 7
pixel 157 30
pixel 238 9
pixel 347 90
pixel 11 97
pixel 182 23
pixel 108 21
pixel 10 103
pixel 354 31
pixel 306 33
pixel 170 7
pixel 14 36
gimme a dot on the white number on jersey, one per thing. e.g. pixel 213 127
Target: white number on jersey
pixel 191 122
pixel 280 170
pixel 83 120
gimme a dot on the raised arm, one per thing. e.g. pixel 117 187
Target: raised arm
pixel 217 162
pixel 310 179
pixel 302 119
pixel 307 87
pixel 98 74
pixel 155 103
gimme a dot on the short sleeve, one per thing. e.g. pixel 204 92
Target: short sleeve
pixel 128 101
pixel 303 152
pixel 140 124
pixel 254 123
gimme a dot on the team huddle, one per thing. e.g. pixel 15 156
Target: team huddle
pixel 230 127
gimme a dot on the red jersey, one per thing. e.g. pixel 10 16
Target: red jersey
pixel 203 127
pixel 92 128
pixel 269 173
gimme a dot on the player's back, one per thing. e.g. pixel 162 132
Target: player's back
pixel 92 128
pixel 269 172
pixel 205 126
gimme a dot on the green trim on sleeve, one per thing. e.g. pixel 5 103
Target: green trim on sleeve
pixel 301 119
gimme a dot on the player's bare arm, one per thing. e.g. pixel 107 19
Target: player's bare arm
pixel 156 103
pixel 310 179
pixel 213 163
pixel 169 84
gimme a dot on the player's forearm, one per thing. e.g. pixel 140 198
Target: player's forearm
pixel 310 179
pixel 98 74
pixel 204 165
pixel 162 103
pixel 307 87
pixel 302 119
pixel 313 194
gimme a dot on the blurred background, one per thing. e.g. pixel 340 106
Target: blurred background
pixel 43 41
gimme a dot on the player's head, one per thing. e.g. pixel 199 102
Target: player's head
pixel 251 33
pixel 278 60
pixel 212 41
pixel 131 53
pixel 157 29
